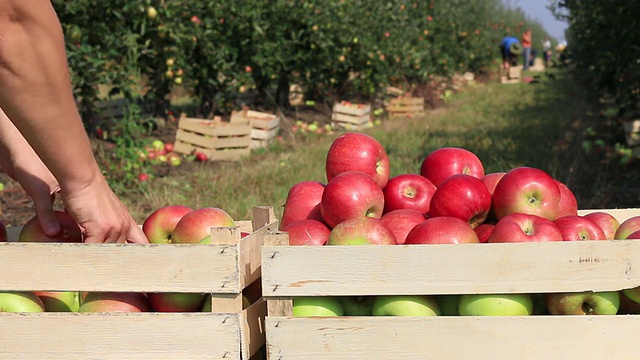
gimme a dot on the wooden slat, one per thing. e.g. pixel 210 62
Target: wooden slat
pixel 450 269
pixel 252 329
pixel 453 338
pixel 405 108
pixel 407 101
pixel 119 336
pixel 357 120
pixel 348 110
pixel 195 139
pixel 258 134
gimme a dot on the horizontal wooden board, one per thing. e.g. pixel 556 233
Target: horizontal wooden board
pixel 452 338
pixel 213 128
pixel 120 336
pixel 349 110
pixel 351 119
pixel 405 108
pixel 259 134
pixel 257 119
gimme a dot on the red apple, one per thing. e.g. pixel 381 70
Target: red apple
pixel 176 302
pixel 350 195
pixel 160 225
pixel 361 231
pixel 303 202
pixel 143 177
pixel 402 221
pixel 200 156
pixel 464 197
pixel 574 228
pixel 607 222
pixel 527 190
pixel 114 302
pixel 3 232
pixel 447 161
pixel 195 227
pixel 168 147
pixel 307 232
pixel 568 202
pixel 584 303
pixel 70 231
pixel 408 191
pixel 59 301
pixel 634 235
pixel 442 230
pixel 520 227
pixel 484 232
pixel 627 227
pixel 491 180
pixel 173 159
pixel 356 151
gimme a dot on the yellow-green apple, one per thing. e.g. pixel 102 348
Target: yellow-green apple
pixel 70 231
pixel 160 224
pixel 350 195
pixel 568 201
pixel 442 230
pixel 357 305
pixel 444 162
pixel 520 227
pixel 354 151
pixel 176 302
pixel 575 228
pixel 361 231
pixel 408 191
pixel 157 145
pixel 448 304
pixel 495 305
pixel 484 232
pixel 307 232
pixel 60 301
pixel 607 222
pixel 307 306
pixel 303 202
pixel 402 221
pixel 527 190
pixel 114 302
pixel 627 227
pixel 405 305
pixel 173 159
pixel 195 227
pixel 462 196
pixel 584 303
pixel 3 232
pixel 11 301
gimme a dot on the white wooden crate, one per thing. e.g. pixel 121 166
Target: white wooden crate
pixel 350 117
pixel 291 271
pixel 223 269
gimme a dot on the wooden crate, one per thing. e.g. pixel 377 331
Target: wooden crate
pixel 515 72
pixel 217 139
pixel 264 126
pixel 224 269
pixel 406 107
pixel 291 271
pixel 506 80
pixel 116 109
pixel 352 118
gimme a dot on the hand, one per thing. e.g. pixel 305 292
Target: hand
pixel 100 213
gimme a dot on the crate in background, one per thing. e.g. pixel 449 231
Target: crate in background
pixel 351 116
pixel 563 266
pixel 406 107
pixel 225 269
pixel 217 139
pixel 264 126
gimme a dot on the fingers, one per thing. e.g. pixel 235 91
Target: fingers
pixel 46 216
pixel 136 235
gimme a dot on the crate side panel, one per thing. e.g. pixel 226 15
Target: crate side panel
pixel 252 330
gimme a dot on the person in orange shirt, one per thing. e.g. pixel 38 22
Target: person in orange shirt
pixel 526 44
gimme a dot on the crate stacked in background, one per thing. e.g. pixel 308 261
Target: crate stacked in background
pixel 537 268
pixel 217 139
pixel 264 126
pixel 351 116
pixel 513 76
pixel 405 107
pixel 226 269
pixel 632 135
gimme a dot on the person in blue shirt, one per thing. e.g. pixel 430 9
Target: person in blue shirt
pixel 510 48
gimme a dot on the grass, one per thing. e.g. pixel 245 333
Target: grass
pixel 505 125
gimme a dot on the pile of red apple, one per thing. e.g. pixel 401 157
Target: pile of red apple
pixel 176 224
pixel 449 201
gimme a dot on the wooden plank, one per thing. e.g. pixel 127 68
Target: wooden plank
pixel 450 269
pixel 258 134
pixel 119 336
pixel 405 108
pixel 195 139
pixel 452 338
pixel 252 329
pixel 407 101
pixel 349 110
pixel 356 120
pixel 620 214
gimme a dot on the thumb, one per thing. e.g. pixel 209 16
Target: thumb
pixel 46 215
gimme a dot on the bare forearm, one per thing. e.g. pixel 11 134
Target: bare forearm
pixel 35 90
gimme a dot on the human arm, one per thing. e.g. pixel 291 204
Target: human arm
pixel 36 94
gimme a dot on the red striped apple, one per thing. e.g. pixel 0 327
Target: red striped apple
pixel 527 190
pixel 627 227
pixel 464 197
pixel 160 225
pixel 484 231
pixel 351 195
pixel 408 191
pixel 70 231
pixel 491 180
pixel 114 302
pixel 307 232
pixel 442 230
pixel 444 162
pixel 176 302
pixel 577 228
pixel 401 222
pixel 361 231
pixel 354 151
pixel 303 202
pixel 520 227
pixel 195 227
pixel 568 201
pixel 607 222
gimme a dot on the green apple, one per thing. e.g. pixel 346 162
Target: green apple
pixel 20 302
pixel 357 305
pixel 317 306
pixel 496 305
pixel 540 304
pixel 633 294
pixel 405 305
pixel 584 303
pixel 448 304
pixel 60 301
pixel 157 145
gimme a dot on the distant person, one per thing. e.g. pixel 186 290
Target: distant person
pixel 526 45
pixel 510 48
pixel 532 59
pixel 546 51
